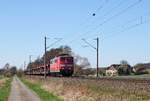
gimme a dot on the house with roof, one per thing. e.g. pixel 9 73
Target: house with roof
pixel 112 70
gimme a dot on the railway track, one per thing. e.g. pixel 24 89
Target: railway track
pixel 119 79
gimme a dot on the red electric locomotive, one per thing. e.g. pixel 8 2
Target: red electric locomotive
pixel 62 64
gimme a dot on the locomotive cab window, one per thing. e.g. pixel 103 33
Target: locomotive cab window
pixel 62 59
pixel 66 59
pixel 70 60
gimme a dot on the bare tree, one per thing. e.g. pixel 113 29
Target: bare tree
pixel 124 62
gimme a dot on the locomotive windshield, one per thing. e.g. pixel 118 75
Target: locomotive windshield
pixel 66 59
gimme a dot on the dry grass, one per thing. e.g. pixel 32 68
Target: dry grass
pixel 2 82
pixel 43 94
pixel 96 90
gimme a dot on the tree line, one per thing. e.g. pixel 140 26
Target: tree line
pixel 82 65
pixel 8 70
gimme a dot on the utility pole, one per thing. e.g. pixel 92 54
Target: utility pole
pixel 45 49
pixel 30 64
pixel 24 65
pixel 97 51
pixel 45 57
pixel 97 55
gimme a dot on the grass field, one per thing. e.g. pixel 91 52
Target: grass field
pixel 96 90
pixel 44 95
pixel 5 87
pixel 1 76
pixel 144 76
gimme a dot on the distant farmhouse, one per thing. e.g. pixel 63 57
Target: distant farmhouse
pixel 124 69
pixel 118 69
pixel 141 68
pixel 112 70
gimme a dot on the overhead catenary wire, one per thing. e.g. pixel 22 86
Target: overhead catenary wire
pixel 128 28
pixel 87 20
pixel 57 40
pixel 109 19
pixel 94 12
pixel 104 15
pixel 108 12
pixel 140 21
pixel 102 6
pixel 123 26
pixel 88 43
pixel 116 15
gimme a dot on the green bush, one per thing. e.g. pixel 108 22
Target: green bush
pixel 124 70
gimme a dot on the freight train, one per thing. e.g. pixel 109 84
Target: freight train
pixel 62 65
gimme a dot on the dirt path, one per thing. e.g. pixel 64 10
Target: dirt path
pixel 19 92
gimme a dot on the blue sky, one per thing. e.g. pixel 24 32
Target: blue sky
pixel 24 23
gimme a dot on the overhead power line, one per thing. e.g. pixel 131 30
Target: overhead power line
pixel 101 6
pixel 137 19
pixel 89 44
pixel 94 13
pixel 87 20
pixel 140 21
pixel 128 28
pixel 116 15
pixel 57 40
pixel 119 13
pixel 109 19
pixel 108 12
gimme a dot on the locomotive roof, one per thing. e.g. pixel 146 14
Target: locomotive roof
pixel 63 55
